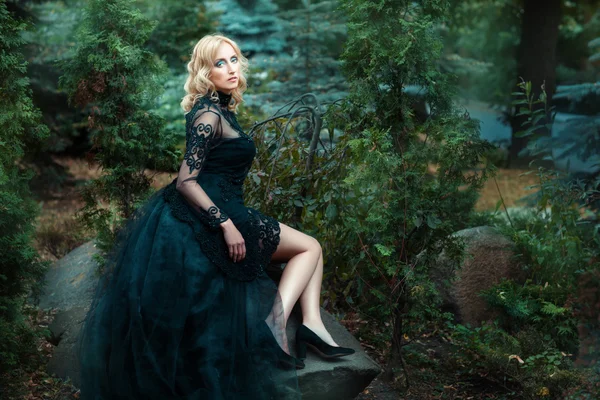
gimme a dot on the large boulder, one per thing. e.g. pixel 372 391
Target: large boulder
pixel 70 288
pixel 343 378
pixel 71 281
pixel 490 257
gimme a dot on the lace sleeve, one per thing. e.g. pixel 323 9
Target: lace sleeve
pixel 202 129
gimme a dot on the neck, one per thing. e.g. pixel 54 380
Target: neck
pixel 224 97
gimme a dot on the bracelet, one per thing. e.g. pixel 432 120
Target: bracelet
pixel 213 220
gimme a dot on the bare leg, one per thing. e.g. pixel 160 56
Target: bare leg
pixel 311 307
pixel 301 278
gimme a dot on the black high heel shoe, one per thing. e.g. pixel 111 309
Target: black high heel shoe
pixel 284 360
pixel 304 337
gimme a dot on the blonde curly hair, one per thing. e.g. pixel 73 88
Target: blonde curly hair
pixel 198 83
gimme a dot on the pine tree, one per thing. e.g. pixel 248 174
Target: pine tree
pixel 21 269
pixel 180 25
pixel 256 27
pixel 583 140
pixel 258 30
pixel 313 32
pixel 407 170
pixel 114 77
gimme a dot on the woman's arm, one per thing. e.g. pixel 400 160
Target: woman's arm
pixel 202 130
pixel 205 127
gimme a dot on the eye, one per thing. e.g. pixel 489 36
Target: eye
pixel 219 64
pixel 234 59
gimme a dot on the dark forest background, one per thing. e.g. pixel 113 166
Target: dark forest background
pixel 408 122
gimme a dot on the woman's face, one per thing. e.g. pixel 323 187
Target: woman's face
pixel 224 72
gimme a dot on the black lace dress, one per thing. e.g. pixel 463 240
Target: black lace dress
pixel 177 318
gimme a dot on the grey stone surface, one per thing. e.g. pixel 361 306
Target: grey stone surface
pixel 65 329
pixel 70 288
pixel 71 281
pixel 338 379
pixel 343 378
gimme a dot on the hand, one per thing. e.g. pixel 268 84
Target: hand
pixel 235 241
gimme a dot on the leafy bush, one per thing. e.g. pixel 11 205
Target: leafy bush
pixel 114 77
pixel 312 199
pixel 21 269
pixel 394 184
pixel 527 363
pixel 179 26
pixel 415 176
pixel 542 318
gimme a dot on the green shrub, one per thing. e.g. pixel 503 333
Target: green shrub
pixel 415 176
pixel 527 363
pixel 394 185
pixel 21 269
pixel 114 77
pixel 543 316
pixel 312 200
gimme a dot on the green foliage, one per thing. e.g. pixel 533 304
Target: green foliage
pixel 480 43
pixel 390 185
pixel 556 248
pixel 180 25
pixel 257 28
pixel 21 269
pixel 18 111
pixel 578 34
pixel 313 31
pixel 51 39
pixel 115 77
pixel 312 200
pixel 526 105
pixel 481 39
pixel 546 308
pixel 583 139
pixel 527 363
pixel 416 179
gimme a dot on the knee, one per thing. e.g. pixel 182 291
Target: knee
pixel 315 246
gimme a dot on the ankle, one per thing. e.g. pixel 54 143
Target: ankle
pixel 313 323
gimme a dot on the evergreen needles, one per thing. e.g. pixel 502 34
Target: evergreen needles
pixel 114 77
pixel 21 269
pixel 415 174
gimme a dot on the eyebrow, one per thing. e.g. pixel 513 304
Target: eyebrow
pixel 222 59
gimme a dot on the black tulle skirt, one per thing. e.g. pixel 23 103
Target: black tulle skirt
pixel 167 323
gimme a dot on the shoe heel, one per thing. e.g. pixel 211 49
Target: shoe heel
pixel 301 349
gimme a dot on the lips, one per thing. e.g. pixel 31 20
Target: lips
pixel 232 79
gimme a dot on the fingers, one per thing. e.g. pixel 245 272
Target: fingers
pixel 236 245
pixel 231 252
pixel 237 252
pixel 241 251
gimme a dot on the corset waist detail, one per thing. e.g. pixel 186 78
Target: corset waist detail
pixel 230 185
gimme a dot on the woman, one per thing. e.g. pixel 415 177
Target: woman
pixel 188 312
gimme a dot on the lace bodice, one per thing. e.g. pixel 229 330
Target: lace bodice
pixel 208 189
pixel 208 125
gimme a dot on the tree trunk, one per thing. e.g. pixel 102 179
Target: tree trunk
pixel 536 62
pixel 395 360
